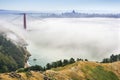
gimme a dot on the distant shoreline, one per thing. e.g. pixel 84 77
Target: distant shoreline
pixel 72 14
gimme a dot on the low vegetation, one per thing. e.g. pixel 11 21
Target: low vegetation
pixel 49 66
pixel 113 58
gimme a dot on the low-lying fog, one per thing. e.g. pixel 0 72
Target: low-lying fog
pixel 51 39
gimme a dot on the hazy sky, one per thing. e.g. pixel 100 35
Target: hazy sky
pixel 52 5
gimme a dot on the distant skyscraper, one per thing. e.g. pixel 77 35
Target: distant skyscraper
pixel 73 11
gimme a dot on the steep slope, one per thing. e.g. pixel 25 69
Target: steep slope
pixel 12 56
pixel 82 70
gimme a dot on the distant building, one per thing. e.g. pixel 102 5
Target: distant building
pixel 73 12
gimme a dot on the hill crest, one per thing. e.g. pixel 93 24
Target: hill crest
pixel 82 70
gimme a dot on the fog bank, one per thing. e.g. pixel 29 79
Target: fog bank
pixel 52 39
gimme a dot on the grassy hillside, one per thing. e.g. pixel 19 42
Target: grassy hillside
pixel 81 70
pixel 90 71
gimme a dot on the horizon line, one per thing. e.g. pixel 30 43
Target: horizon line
pixel 62 11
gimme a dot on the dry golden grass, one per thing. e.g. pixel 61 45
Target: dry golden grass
pixel 82 70
pixel 34 76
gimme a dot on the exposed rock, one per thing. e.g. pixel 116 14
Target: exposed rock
pixel 14 75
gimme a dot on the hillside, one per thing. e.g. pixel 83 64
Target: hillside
pixel 12 56
pixel 82 70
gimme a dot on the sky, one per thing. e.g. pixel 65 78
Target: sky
pixel 52 5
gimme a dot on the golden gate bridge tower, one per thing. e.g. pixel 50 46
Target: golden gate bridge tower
pixel 24 21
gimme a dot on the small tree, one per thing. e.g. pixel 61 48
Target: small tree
pixel 86 59
pixel 59 63
pixel 78 59
pixel 48 66
pixel 106 60
pixel 72 60
pixel 65 62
